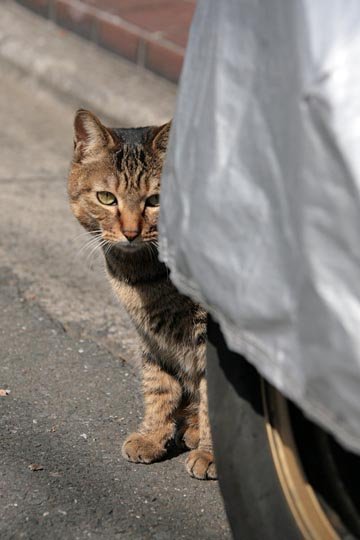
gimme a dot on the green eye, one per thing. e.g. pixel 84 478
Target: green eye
pixel 105 197
pixel 154 200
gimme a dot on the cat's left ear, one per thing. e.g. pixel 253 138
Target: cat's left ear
pixel 161 137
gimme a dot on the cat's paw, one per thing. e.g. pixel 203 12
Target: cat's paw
pixel 200 464
pixel 140 448
pixel 190 438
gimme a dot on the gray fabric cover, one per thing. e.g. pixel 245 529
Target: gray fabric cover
pixel 260 207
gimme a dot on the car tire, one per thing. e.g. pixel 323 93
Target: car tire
pixel 266 491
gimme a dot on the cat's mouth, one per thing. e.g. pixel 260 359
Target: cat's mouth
pixel 129 247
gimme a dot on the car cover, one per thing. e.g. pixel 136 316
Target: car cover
pixel 260 205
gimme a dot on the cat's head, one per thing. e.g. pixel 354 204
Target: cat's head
pixel 114 180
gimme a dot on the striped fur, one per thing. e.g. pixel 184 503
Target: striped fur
pixel 128 164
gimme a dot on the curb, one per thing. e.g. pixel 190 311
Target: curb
pixel 147 48
pixel 82 73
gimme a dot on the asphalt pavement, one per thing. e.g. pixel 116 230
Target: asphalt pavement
pixel 68 353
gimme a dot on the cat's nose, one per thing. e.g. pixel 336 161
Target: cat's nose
pixel 131 235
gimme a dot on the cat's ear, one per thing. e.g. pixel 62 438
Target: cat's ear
pixel 161 137
pixel 90 135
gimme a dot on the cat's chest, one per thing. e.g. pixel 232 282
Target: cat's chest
pixel 127 295
pixel 166 323
pixel 141 301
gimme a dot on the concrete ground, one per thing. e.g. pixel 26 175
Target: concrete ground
pixel 67 350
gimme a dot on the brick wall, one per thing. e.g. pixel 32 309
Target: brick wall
pixel 151 33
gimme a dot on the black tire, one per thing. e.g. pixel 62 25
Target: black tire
pixel 255 499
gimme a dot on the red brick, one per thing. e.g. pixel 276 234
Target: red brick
pixel 179 36
pixel 76 19
pixel 161 17
pixel 153 32
pixel 118 39
pixel 118 7
pixel 163 60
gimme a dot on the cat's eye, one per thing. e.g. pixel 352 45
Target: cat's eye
pixel 154 200
pixel 105 197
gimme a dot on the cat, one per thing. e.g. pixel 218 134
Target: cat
pixel 113 187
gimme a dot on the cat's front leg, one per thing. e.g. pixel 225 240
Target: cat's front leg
pixel 162 395
pixel 200 462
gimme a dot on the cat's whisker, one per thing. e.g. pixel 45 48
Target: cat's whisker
pixel 89 243
pixel 108 248
pixel 82 251
pixel 149 250
pixel 152 246
pixel 99 244
pixel 87 250
pixel 90 256
pixel 96 231
pixel 92 246
pixel 154 250
pixel 94 236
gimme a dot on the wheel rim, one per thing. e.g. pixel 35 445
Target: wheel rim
pixel 301 498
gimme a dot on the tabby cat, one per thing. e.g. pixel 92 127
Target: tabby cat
pixel 114 186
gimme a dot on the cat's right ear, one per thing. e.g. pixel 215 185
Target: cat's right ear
pixel 90 135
